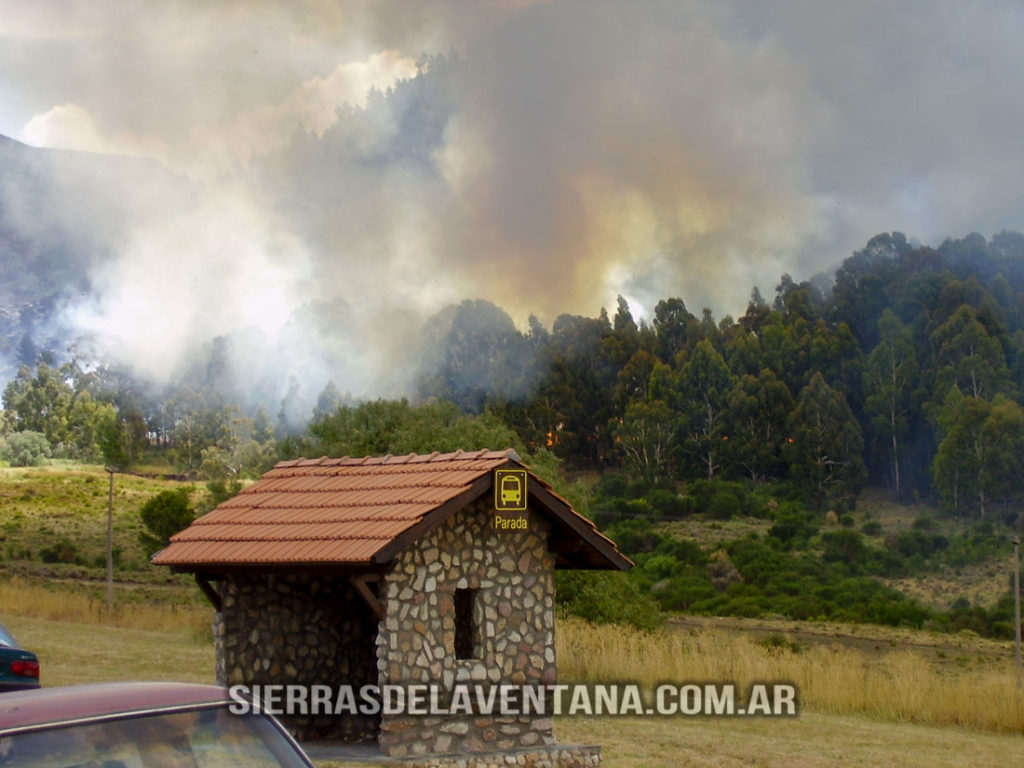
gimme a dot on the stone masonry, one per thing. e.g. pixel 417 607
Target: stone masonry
pixel 510 573
pixel 299 629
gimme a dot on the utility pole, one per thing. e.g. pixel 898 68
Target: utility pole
pixel 1016 609
pixel 110 542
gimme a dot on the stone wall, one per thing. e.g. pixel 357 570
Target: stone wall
pixel 513 611
pixel 560 756
pixel 298 629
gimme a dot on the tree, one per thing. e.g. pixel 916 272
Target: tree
pixel 673 325
pixel 634 380
pixel 860 293
pixel 330 397
pixel 246 448
pixel 702 395
pixel 472 353
pixel 40 402
pixel 163 516
pixel 395 427
pixel 755 426
pixel 961 454
pixel 644 437
pixel 1003 472
pixel 892 394
pixel 25 449
pixel 825 443
pixel 980 460
pixel 969 358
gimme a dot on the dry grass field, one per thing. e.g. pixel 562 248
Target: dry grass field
pixel 858 709
pixel 897 685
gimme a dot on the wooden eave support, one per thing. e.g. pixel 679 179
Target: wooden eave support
pixel 360 583
pixel 207 589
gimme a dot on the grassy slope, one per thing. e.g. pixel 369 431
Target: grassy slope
pixel 41 506
pixel 45 505
pixel 981 584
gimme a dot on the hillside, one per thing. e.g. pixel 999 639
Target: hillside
pixel 53 532
pixel 62 215
pixel 53 528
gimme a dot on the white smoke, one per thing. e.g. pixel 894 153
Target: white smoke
pixel 572 151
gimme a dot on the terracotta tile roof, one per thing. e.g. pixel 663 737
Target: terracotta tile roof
pixel 347 511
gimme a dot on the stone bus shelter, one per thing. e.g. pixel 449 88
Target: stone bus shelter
pixel 396 570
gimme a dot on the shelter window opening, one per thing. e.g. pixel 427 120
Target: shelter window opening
pixel 467 625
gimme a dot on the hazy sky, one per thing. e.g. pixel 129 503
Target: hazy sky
pixel 651 149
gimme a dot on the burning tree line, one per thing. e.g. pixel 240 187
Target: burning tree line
pixel 907 371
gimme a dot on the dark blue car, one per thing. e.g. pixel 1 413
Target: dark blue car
pixel 19 669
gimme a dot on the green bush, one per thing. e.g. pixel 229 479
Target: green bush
pixel 924 523
pixel 25 449
pixel 844 546
pixel 606 597
pixel 916 542
pixel 792 528
pixel 871 528
pixel 660 566
pixel 163 516
pixel 683 550
pixel 667 505
pixel 634 536
pixel 612 485
pixel 62 551
pixel 724 505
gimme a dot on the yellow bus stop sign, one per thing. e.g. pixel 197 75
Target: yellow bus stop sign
pixel 510 490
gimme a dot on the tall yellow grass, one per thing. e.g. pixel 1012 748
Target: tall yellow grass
pixel 899 685
pixel 22 598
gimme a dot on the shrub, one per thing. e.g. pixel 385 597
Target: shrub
pixel 792 528
pixel 25 449
pixel 683 550
pixel 62 551
pixel 724 505
pixel 612 485
pixel 610 512
pixel 916 542
pixel 667 504
pixel 100 561
pixel 606 597
pixel 682 592
pixel 776 643
pixel 924 523
pixel 844 546
pixel 163 516
pixel 660 566
pixel 871 528
pixel 634 536
pixel 722 571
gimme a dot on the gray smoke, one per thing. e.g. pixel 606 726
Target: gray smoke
pixel 337 173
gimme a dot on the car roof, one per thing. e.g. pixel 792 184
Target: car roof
pixel 44 707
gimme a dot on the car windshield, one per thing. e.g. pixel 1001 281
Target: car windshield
pixel 6 640
pixel 202 738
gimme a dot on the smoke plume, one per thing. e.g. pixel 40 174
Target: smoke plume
pixel 322 177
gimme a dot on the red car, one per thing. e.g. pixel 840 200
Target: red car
pixel 139 725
